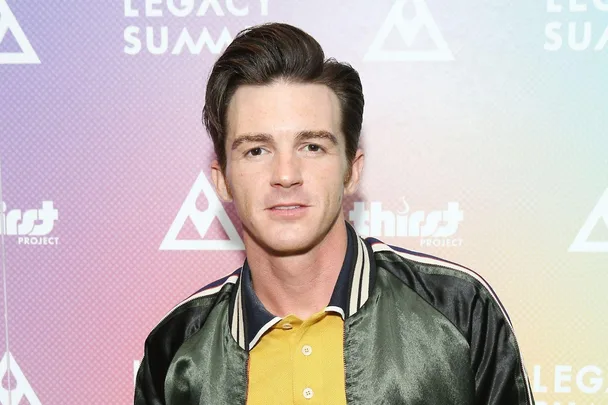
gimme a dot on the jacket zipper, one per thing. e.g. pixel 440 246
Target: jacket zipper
pixel 344 357
pixel 246 379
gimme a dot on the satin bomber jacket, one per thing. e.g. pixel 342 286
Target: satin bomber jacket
pixel 417 330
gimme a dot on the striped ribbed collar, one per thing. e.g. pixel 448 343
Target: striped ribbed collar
pixel 250 319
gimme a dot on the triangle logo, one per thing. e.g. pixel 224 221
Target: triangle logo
pixel 22 388
pixel 9 22
pixel 202 221
pixel 409 30
pixel 598 215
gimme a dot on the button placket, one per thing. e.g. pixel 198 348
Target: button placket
pixel 307 382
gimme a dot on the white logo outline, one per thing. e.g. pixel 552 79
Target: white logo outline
pixel 202 221
pixel 22 387
pixel 8 22
pixel 581 242
pixel 408 30
pixel 376 222
pixel 31 222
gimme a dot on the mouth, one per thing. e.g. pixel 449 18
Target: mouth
pixel 290 206
pixel 286 207
pixel 288 211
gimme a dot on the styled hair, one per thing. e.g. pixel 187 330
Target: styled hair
pixel 266 53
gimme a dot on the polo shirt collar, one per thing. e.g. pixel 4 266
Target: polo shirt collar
pixel 250 319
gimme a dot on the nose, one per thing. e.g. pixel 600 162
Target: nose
pixel 286 171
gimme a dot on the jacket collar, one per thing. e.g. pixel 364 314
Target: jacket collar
pixel 250 319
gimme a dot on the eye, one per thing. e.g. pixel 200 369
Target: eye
pixel 255 152
pixel 313 147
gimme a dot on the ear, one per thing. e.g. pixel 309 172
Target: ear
pixel 356 169
pixel 219 181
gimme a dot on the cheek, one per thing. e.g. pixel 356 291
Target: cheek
pixel 245 188
pixel 331 183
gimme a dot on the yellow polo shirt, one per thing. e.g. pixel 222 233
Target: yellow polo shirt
pixel 299 362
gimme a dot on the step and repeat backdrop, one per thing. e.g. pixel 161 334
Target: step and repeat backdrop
pixel 486 141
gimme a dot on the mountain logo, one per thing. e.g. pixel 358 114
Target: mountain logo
pixel 202 221
pixel 8 22
pixel 21 390
pixel 598 215
pixel 409 31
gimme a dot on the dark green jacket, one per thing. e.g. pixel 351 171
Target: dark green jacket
pixel 417 330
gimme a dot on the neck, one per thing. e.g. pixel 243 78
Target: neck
pixel 300 284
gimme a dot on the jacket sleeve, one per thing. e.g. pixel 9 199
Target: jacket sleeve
pixel 147 390
pixel 149 386
pixel 160 347
pixel 500 376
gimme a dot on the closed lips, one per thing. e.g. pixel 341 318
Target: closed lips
pixel 288 206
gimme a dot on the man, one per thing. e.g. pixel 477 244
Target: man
pixel 316 314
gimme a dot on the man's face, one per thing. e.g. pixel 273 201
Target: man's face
pixel 286 165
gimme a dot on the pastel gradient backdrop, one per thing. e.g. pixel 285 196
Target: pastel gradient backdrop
pixel 515 133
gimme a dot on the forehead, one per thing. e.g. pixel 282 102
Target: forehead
pixel 283 107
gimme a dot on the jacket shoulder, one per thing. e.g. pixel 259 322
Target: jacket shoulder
pixel 188 317
pixel 446 285
pixel 467 300
pixel 178 325
pixel 200 302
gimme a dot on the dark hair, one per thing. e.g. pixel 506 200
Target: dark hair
pixel 265 53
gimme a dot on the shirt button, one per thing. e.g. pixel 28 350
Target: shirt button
pixel 287 326
pixel 306 350
pixel 308 393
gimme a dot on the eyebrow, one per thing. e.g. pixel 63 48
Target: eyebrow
pixel 300 137
pixel 241 139
pixel 307 135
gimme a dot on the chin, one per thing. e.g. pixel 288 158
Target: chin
pixel 287 239
pixel 286 246
pixel 285 243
